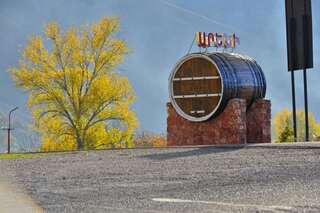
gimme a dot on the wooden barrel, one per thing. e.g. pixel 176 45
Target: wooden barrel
pixel 201 84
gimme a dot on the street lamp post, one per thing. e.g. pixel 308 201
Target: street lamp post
pixel 9 127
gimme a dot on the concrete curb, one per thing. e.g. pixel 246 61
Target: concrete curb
pixel 297 145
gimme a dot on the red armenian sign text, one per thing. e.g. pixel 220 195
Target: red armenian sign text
pixel 217 40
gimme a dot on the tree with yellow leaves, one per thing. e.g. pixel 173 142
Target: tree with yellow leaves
pixel 283 126
pixel 78 99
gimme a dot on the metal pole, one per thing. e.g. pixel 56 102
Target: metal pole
pixel 9 127
pixel 8 141
pixel 306 111
pixel 294 106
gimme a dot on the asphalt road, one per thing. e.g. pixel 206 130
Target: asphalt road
pixel 172 180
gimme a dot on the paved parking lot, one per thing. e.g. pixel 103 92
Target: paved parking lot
pixel 200 179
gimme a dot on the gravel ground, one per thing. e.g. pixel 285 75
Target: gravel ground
pixel 172 180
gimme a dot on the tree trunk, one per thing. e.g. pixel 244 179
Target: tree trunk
pixel 80 145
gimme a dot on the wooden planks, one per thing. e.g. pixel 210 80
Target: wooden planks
pixel 197 87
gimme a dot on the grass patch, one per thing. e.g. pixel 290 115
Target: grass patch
pixel 20 155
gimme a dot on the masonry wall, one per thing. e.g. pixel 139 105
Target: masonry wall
pixel 235 125
pixel 259 122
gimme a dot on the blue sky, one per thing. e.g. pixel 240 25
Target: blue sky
pixel 159 32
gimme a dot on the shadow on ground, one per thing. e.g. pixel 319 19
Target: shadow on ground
pixel 193 152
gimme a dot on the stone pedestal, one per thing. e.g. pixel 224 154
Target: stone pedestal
pixel 259 122
pixel 234 125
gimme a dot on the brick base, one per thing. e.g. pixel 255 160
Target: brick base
pixel 233 126
pixel 259 122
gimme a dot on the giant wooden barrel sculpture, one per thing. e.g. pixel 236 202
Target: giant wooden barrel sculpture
pixel 200 85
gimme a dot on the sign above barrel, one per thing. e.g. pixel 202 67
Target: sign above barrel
pixel 201 84
pixel 218 40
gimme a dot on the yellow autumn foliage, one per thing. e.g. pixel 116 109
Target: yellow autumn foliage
pixel 283 126
pixel 147 139
pixel 159 141
pixel 78 99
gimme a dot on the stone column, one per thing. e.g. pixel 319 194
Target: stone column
pixel 229 127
